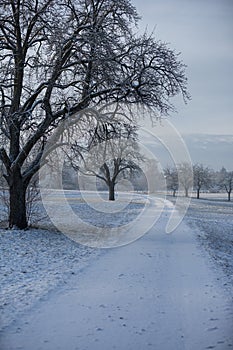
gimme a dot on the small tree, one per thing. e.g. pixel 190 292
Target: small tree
pixel 113 152
pixel 201 178
pixel 185 176
pixel 225 180
pixel 171 175
pixel 139 180
pixel 154 176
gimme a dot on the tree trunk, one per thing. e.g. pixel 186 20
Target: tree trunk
pixel 198 193
pixel 174 193
pixel 18 213
pixel 111 191
pixel 186 192
pixel 229 196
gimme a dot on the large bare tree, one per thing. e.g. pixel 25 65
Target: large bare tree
pixel 58 58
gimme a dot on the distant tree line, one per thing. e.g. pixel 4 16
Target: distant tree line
pixel 199 178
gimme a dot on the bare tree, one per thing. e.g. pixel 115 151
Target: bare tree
pixel 171 175
pixel 225 181
pixel 139 181
pixel 57 59
pixel 154 176
pixel 185 176
pixel 202 177
pixel 113 153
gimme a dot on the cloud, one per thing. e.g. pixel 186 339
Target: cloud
pixel 202 31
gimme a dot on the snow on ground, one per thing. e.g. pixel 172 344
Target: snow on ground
pixel 35 262
pixel 215 224
pixel 160 292
pixel 211 218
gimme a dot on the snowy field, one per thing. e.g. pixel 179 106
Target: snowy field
pixel 37 261
pixel 215 223
pixel 160 292
pixel 211 218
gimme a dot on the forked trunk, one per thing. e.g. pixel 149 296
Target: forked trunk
pixel 18 214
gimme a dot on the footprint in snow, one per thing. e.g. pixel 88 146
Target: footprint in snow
pixel 99 329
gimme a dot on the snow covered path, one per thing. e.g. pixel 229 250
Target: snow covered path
pixel 156 293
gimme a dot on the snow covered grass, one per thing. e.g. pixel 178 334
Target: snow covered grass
pixel 116 213
pixel 211 219
pixel 214 221
pixel 37 261
pixel 33 263
pixel 217 197
pixel 160 292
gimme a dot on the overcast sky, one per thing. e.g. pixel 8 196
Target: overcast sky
pixel 202 30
